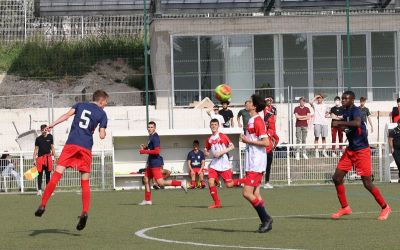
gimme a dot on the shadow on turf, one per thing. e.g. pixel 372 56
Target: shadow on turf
pixel 323 218
pixel 225 230
pixel 52 231
pixel 198 206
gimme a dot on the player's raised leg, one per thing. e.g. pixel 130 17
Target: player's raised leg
pixel 174 183
pixel 85 186
pixel 49 190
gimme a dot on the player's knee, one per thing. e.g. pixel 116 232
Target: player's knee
pixel 211 182
pixel 229 184
pixel 336 179
pixel 160 182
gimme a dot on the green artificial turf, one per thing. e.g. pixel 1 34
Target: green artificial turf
pixel 115 217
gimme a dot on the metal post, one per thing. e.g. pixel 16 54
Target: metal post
pixel 82 27
pixel 25 20
pixel 146 70
pixel 21 171
pixel 380 162
pixel 349 78
pixel 289 181
pixel 48 108
pixel 103 179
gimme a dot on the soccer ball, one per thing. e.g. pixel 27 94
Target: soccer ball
pixel 223 92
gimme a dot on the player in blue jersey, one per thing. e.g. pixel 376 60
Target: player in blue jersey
pixel 358 153
pixel 154 163
pixel 77 150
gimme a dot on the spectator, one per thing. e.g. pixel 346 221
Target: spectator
pixel 395 114
pixel 274 140
pixel 244 114
pixel 270 114
pixel 196 162
pixel 43 155
pixel 216 115
pixel 320 123
pixel 336 114
pixel 7 168
pixel 365 114
pixel 394 143
pixel 303 115
pixel 227 114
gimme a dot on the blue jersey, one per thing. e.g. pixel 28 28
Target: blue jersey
pixel 87 117
pixel 357 136
pixel 196 158
pixel 154 160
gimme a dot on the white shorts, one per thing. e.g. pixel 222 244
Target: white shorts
pixel 320 130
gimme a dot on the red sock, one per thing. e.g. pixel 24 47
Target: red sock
pixel 378 197
pixel 50 187
pixel 85 196
pixel 238 182
pixel 193 183
pixel 147 196
pixel 341 194
pixel 176 183
pixel 214 194
pixel 256 202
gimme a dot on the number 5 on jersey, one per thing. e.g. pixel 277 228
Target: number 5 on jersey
pixel 85 120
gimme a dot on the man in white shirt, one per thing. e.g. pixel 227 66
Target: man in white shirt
pixel 321 112
pixel 216 115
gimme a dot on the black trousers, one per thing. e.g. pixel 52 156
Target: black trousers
pixel 40 177
pixel 270 156
pixel 396 156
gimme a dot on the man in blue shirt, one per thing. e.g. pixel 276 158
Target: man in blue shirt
pixel 77 150
pixel 358 153
pixel 154 163
pixel 196 161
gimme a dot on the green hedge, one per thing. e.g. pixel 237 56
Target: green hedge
pixel 41 59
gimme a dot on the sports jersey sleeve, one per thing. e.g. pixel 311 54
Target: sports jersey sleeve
pixel 103 121
pixel 368 112
pixel 202 157
pixel 225 139
pixel 259 128
pixel 188 156
pixel 207 144
pixel 76 105
pixel 51 139
pixel 356 113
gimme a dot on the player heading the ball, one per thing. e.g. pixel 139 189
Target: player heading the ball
pixel 77 152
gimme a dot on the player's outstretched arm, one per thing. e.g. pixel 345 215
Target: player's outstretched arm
pixel 102 133
pixel 62 118
pixel 354 123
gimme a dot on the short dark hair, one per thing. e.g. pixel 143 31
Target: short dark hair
pixel 302 99
pixel 227 102
pixel 336 98
pixel 350 93
pixel 214 120
pixel 258 102
pixel 363 99
pixel 152 123
pixel 196 142
pixel 99 94
pixel 43 126
pixel 215 107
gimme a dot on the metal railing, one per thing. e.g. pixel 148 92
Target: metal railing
pixel 101 176
pixel 287 169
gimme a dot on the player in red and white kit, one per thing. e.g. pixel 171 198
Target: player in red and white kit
pixel 77 152
pixel 218 146
pixel 257 140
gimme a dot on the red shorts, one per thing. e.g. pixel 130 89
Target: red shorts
pixel 74 156
pixel 44 160
pixel 226 175
pixel 196 170
pixel 155 173
pixel 253 179
pixel 361 159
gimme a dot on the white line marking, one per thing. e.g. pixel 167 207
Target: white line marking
pixel 142 233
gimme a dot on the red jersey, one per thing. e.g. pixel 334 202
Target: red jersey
pixel 270 117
